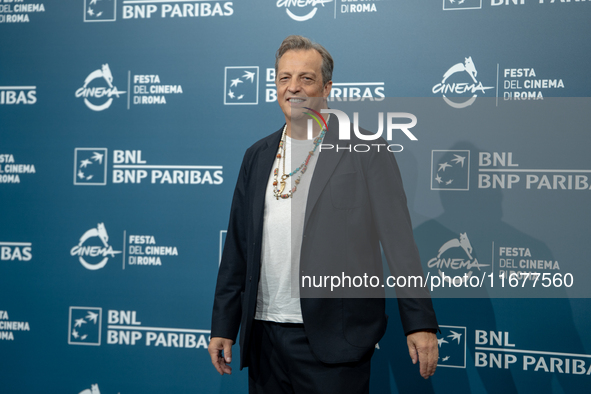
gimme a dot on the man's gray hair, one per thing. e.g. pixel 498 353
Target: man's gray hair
pixel 295 43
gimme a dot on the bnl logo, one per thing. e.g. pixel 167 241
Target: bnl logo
pixel 450 170
pixel 452 347
pixel 100 10
pixel 462 5
pixel 84 326
pixel 241 85
pixel 90 166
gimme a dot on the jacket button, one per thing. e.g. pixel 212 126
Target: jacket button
pixel 250 279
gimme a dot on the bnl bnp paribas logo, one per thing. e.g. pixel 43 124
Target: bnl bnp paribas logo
pixel 106 10
pixel 453 5
pixel 98 90
pixel 459 86
pixel 450 170
pixel 241 85
pixel 123 327
pixel 128 167
pixel 14 95
pixel 93 249
pixel 100 10
pixel 451 341
pixel 84 326
pixel 90 166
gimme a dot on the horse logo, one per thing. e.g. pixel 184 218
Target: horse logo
pixel 85 91
pixel 467 66
pixel 455 262
pixel 463 87
pixel 83 251
pixel 93 390
pixel 462 242
pixel 100 231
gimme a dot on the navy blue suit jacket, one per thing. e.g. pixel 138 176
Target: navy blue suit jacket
pixel 355 202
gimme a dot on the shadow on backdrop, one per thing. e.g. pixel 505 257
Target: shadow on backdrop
pixel 532 323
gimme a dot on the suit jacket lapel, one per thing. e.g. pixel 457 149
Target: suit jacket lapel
pixel 327 162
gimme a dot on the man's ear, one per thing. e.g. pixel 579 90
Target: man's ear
pixel 327 89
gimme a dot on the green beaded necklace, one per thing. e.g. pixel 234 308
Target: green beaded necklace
pixel 278 187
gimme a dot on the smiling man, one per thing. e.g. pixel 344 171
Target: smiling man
pixel 292 210
pixel 303 81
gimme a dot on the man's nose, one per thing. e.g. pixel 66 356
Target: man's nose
pixel 294 85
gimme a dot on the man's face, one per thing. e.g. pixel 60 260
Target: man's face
pixel 299 82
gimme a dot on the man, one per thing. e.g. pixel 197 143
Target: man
pixel 339 207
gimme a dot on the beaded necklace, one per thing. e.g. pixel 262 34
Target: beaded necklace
pixel 279 186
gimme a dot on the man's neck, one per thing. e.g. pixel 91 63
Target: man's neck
pixel 299 130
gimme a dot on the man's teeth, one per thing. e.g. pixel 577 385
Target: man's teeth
pixel 296 100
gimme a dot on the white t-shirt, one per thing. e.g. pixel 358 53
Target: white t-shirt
pixel 283 228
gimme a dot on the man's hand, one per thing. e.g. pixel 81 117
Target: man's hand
pixel 216 345
pixel 422 346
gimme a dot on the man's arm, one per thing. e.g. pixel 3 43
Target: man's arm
pixel 394 228
pixel 227 307
pixel 390 213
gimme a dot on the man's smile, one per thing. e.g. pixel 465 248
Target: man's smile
pixel 296 100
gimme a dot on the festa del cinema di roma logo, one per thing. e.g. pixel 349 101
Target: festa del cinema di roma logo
pixel 93 254
pixel 94 89
pixel 456 255
pixel 94 389
pixel 466 91
pixel 301 4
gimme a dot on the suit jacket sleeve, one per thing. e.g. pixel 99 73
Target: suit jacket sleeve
pixel 392 219
pixel 227 307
